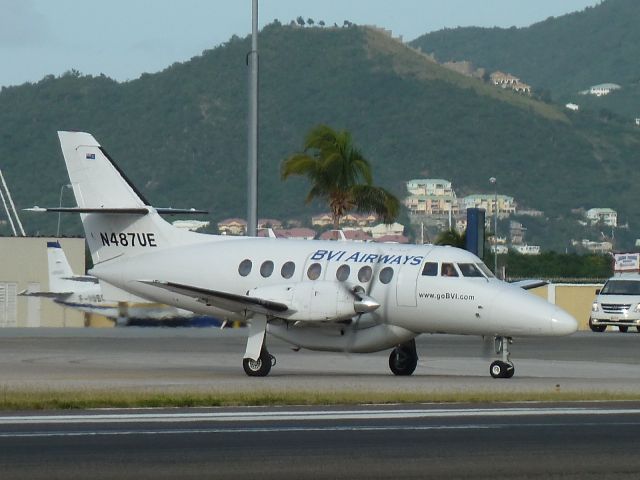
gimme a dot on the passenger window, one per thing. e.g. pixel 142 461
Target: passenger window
pixel 266 269
pixel 386 274
pixel 343 272
pixel 470 270
pixel 430 269
pixel 288 269
pixel 364 274
pixel 448 270
pixel 245 267
pixel 314 270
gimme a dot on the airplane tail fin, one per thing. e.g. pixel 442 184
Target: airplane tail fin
pixel 60 271
pixel 117 219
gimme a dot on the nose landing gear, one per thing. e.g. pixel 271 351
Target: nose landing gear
pixel 404 358
pixel 502 368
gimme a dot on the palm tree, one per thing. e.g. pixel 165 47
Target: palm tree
pixel 339 174
pixel 452 237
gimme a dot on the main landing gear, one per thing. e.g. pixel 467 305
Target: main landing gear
pixel 404 358
pixel 260 367
pixel 502 368
pixel 257 361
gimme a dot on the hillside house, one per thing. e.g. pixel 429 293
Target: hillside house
pixel 232 226
pixel 506 80
pixel 527 249
pixel 383 229
pixel 516 233
pixel 431 196
pixel 501 79
pixel 594 247
pixel 269 223
pixel 430 186
pixel 572 106
pixel 325 219
pixel 431 205
pixel 506 204
pixel 607 216
pixel 603 89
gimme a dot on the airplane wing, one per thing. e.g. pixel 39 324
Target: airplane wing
pixel 529 284
pixel 224 300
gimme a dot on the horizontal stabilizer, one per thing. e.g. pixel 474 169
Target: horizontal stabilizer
pixel 82 278
pixel 127 211
pixel 27 293
pixel 181 211
pixel 227 301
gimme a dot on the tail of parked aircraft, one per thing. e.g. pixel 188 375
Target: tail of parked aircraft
pixel 60 273
pixel 116 217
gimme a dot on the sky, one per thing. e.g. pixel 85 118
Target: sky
pixel 125 38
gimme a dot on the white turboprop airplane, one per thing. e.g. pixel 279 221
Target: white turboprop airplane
pixel 83 292
pixel 321 295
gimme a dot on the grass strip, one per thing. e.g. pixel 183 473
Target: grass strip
pixel 92 398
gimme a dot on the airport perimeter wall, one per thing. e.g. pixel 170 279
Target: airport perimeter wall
pixel 574 298
pixel 23 264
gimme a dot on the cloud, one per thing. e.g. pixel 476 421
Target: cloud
pixel 21 25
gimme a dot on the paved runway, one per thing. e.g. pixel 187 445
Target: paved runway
pixel 210 359
pixel 526 441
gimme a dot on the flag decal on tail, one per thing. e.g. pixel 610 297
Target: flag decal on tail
pixel 90 156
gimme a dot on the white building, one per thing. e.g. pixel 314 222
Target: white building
pixel 430 186
pixel 191 225
pixel 527 249
pixel 603 89
pixel 573 106
pixel 594 247
pixel 383 230
pixel 606 216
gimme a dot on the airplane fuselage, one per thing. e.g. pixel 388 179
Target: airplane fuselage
pixel 317 276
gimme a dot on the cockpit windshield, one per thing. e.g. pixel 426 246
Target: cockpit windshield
pixel 621 287
pixel 485 270
pixel 470 270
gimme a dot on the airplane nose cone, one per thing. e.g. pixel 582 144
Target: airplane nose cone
pixel 562 323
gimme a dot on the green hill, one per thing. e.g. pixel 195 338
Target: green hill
pixel 562 55
pixel 181 134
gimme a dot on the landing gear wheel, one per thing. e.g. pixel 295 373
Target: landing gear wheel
pixel 404 359
pixel 597 328
pixel 260 367
pixel 623 328
pixel 499 369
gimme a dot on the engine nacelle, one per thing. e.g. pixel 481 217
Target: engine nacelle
pixel 315 301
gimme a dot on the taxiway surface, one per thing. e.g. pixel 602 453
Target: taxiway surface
pixel 210 359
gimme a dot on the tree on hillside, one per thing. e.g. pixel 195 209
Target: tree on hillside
pixel 339 174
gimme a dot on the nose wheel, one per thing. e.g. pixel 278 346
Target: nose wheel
pixel 404 358
pixel 502 368
pixel 499 369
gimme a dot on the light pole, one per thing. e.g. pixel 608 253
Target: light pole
pixel 68 185
pixel 493 181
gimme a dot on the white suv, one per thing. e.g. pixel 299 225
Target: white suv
pixel 617 304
